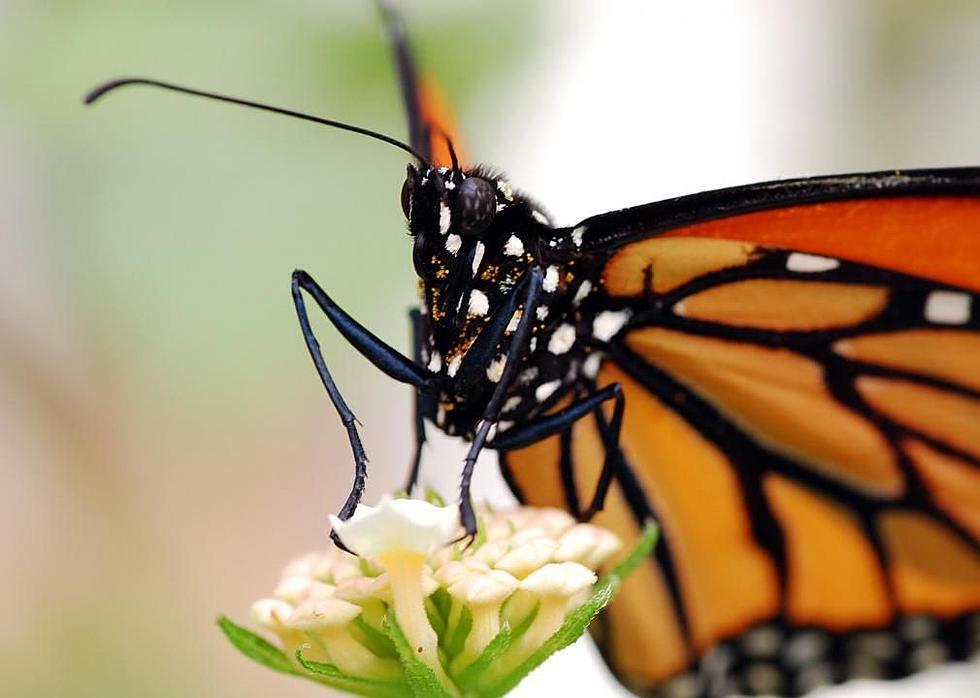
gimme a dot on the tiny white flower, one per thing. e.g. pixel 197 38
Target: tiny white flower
pixel 448 573
pixel 586 544
pixel 526 558
pixel 400 533
pixel 554 586
pixel 490 553
pixel 295 590
pixel 483 593
pixel 325 613
pixel 559 580
pixel 411 525
pixel 271 613
pixel 274 615
pixel 325 622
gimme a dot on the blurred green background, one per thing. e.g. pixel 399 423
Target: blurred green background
pixel 164 443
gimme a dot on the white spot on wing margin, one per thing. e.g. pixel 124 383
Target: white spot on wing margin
pixel 948 307
pixel 810 263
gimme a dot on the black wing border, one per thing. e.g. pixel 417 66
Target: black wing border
pixel 610 230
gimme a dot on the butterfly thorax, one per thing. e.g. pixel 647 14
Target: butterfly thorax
pixel 475 242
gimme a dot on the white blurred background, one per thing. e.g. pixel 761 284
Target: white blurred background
pixel 165 443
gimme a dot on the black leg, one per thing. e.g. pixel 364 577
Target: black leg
pixel 390 361
pixel 613 461
pixel 552 424
pixel 543 427
pixel 346 416
pixel 491 413
pixel 425 403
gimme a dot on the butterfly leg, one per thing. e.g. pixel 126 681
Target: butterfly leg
pixel 425 403
pixel 491 414
pixel 549 425
pixel 613 462
pixel 552 424
pixel 383 356
pixel 391 362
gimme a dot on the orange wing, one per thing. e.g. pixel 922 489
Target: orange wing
pixel 440 123
pixel 803 418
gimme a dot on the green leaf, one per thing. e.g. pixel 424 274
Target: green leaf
pixel 639 553
pixel 375 640
pixel 335 678
pixel 256 648
pixel 578 620
pixel 421 678
pixel 453 643
pixel 433 497
pixel 467 679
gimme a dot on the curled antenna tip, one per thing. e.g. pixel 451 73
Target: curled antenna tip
pixel 99 90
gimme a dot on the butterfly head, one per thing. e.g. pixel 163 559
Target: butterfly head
pixel 474 242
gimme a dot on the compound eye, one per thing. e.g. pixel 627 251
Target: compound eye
pixel 407 188
pixel 474 206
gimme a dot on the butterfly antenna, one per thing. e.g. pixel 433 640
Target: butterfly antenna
pixel 452 152
pixel 107 87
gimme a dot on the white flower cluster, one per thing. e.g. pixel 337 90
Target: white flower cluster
pixel 527 569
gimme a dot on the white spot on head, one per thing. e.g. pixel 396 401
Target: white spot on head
pixel 514 320
pixel 562 339
pixel 496 369
pixel 504 426
pixel 608 323
pixel 505 189
pixel 454 366
pixel 546 390
pixel 541 311
pixel 584 289
pixel 948 307
pixel 478 256
pixel 539 217
pixel 479 304
pixel 512 403
pixel 577 235
pixel 445 218
pixel 450 185
pixel 550 282
pixel 453 243
pixel 435 362
pixel 590 367
pixel 443 170
pixel 528 374
pixel 810 263
pixel 514 247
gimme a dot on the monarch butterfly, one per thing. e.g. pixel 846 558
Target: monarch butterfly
pixel 785 375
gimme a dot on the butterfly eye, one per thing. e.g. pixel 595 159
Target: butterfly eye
pixel 474 206
pixel 407 189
